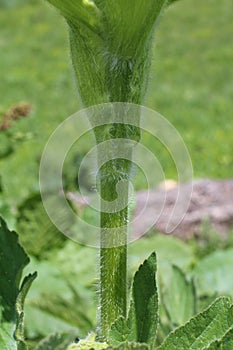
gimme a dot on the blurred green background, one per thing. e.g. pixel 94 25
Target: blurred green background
pixel 191 84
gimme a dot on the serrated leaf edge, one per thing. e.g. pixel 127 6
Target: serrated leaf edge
pixel 227 299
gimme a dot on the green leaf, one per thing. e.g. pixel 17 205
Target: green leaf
pixel 27 282
pixel 128 24
pixel 79 11
pixel 13 259
pixel 143 313
pixel 120 331
pixel 213 275
pixel 179 298
pixel 85 53
pixel 58 341
pixel 226 343
pixel 129 346
pixel 205 328
pixel 36 232
pixel 142 322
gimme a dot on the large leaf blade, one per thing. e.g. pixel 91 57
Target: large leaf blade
pixel 13 259
pixel 205 328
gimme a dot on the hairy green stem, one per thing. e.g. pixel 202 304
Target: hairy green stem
pixel 124 81
pixel 107 75
pixel 113 252
pixel 110 43
pixel 114 177
pixel 113 286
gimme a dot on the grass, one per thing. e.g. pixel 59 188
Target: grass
pixel 190 84
pixel 192 81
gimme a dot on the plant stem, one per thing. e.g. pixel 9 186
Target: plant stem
pixel 111 77
pixel 113 251
pixel 110 48
pixel 113 287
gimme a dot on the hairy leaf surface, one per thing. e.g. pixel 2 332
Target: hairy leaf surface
pixel 205 328
pixel 58 341
pixel 129 346
pixel 142 322
pixel 226 343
